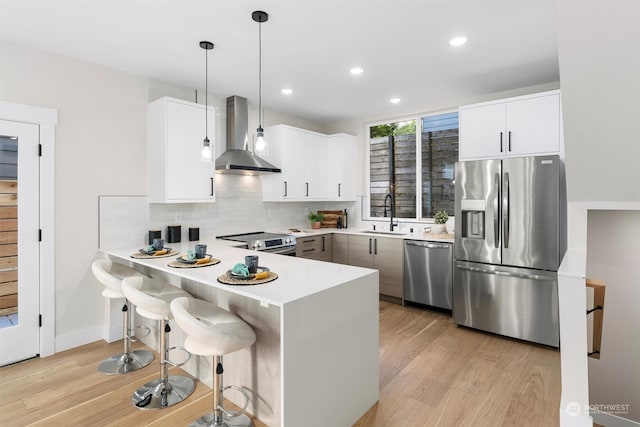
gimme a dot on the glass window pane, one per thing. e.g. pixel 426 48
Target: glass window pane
pixel 398 178
pixel 439 143
pixel 8 231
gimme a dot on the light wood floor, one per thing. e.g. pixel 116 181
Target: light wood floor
pixel 432 373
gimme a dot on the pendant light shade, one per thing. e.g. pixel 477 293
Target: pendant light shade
pixel 260 144
pixel 207 152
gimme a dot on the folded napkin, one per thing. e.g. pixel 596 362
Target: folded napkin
pixel 240 268
pixel 161 252
pixel 203 260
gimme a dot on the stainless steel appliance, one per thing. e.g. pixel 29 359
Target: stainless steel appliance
pixel 278 243
pixel 238 159
pixel 428 273
pixel 508 246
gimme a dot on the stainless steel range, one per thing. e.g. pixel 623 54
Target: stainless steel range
pixel 276 243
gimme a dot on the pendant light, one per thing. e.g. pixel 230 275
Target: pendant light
pixel 260 145
pixel 207 152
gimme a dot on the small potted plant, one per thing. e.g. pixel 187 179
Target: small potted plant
pixel 440 218
pixel 315 219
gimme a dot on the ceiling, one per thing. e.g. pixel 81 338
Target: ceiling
pixel 308 46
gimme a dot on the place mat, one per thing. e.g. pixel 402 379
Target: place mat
pixel 228 280
pixel 178 264
pixel 140 255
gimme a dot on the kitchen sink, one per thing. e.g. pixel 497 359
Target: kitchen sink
pixel 386 233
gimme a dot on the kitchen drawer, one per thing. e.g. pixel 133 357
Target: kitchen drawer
pixel 315 247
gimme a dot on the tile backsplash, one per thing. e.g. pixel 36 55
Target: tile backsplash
pixel 125 220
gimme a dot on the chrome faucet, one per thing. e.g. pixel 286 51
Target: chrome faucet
pixel 390 197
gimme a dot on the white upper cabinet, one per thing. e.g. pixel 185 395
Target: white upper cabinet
pixel 308 166
pixel 341 169
pixel 176 171
pixel 522 126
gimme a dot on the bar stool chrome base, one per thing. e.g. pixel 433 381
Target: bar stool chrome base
pixel 158 394
pixel 241 420
pixel 122 363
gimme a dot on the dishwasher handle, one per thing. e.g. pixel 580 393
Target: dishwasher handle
pixel 428 245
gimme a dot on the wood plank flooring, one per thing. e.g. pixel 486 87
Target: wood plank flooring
pixel 432 373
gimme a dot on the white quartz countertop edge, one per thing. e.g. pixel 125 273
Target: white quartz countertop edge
pixel 297 277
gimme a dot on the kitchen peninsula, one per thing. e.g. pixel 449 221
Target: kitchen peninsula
pixel 315 360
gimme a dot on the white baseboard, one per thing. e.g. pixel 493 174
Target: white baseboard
pixel 114 333
pixel 610 420
pixel 76 339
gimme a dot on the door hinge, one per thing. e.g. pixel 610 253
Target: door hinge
pixel 40 235
pixel 40 320
pixel 40 150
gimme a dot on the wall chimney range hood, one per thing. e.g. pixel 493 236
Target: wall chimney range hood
pixel 238 159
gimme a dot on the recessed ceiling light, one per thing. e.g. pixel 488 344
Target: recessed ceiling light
pixel 458 41
pixel 356 71
pixel 287 91
pixel 394 100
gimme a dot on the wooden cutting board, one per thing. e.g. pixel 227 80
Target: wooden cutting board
pixel 330 218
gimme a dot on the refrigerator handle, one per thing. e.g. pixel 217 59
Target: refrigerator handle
pixel 496 212
pixel 504 273
pixel 505 209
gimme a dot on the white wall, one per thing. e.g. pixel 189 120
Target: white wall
pixel 600 78
pixel 600 81
pixel 612 256
pixel 101 150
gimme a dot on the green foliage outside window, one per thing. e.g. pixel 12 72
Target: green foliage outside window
pixel 395 129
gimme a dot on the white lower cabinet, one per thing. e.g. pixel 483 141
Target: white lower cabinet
pixel 523 126
pixel 176 171
pixel 313 168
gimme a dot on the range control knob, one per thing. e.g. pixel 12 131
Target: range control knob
pixel 259 244
pixel 287 240
pixel 255 245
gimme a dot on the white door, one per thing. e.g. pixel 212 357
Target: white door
pixel 19 241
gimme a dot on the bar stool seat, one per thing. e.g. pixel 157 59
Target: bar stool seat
pixel 213 331
pixel 152 299
pixel 110 275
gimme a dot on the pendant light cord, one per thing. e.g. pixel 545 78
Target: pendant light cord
pixel 260 74
pixel 206 93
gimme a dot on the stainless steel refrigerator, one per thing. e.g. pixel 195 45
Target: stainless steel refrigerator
pixel 508 246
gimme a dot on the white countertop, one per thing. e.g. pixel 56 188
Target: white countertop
pixel 297 277
pixel 416 235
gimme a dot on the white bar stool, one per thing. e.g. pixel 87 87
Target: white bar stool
pixel 213 331
pixel 111 274
pixel 152 299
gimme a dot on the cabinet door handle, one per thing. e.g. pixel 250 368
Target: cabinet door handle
pixel 369 246
pixel 375 246
pixel 322 243
pixel 309 241
pixel 211 179
pixel 285 189
pixel 509 140
pixel 307 184
pixel 501 142
pixel 308 250
pixel 339 190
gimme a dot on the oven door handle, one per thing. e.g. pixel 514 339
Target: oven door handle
pixel 281 251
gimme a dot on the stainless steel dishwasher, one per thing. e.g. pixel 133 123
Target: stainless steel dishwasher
pixel 428 273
